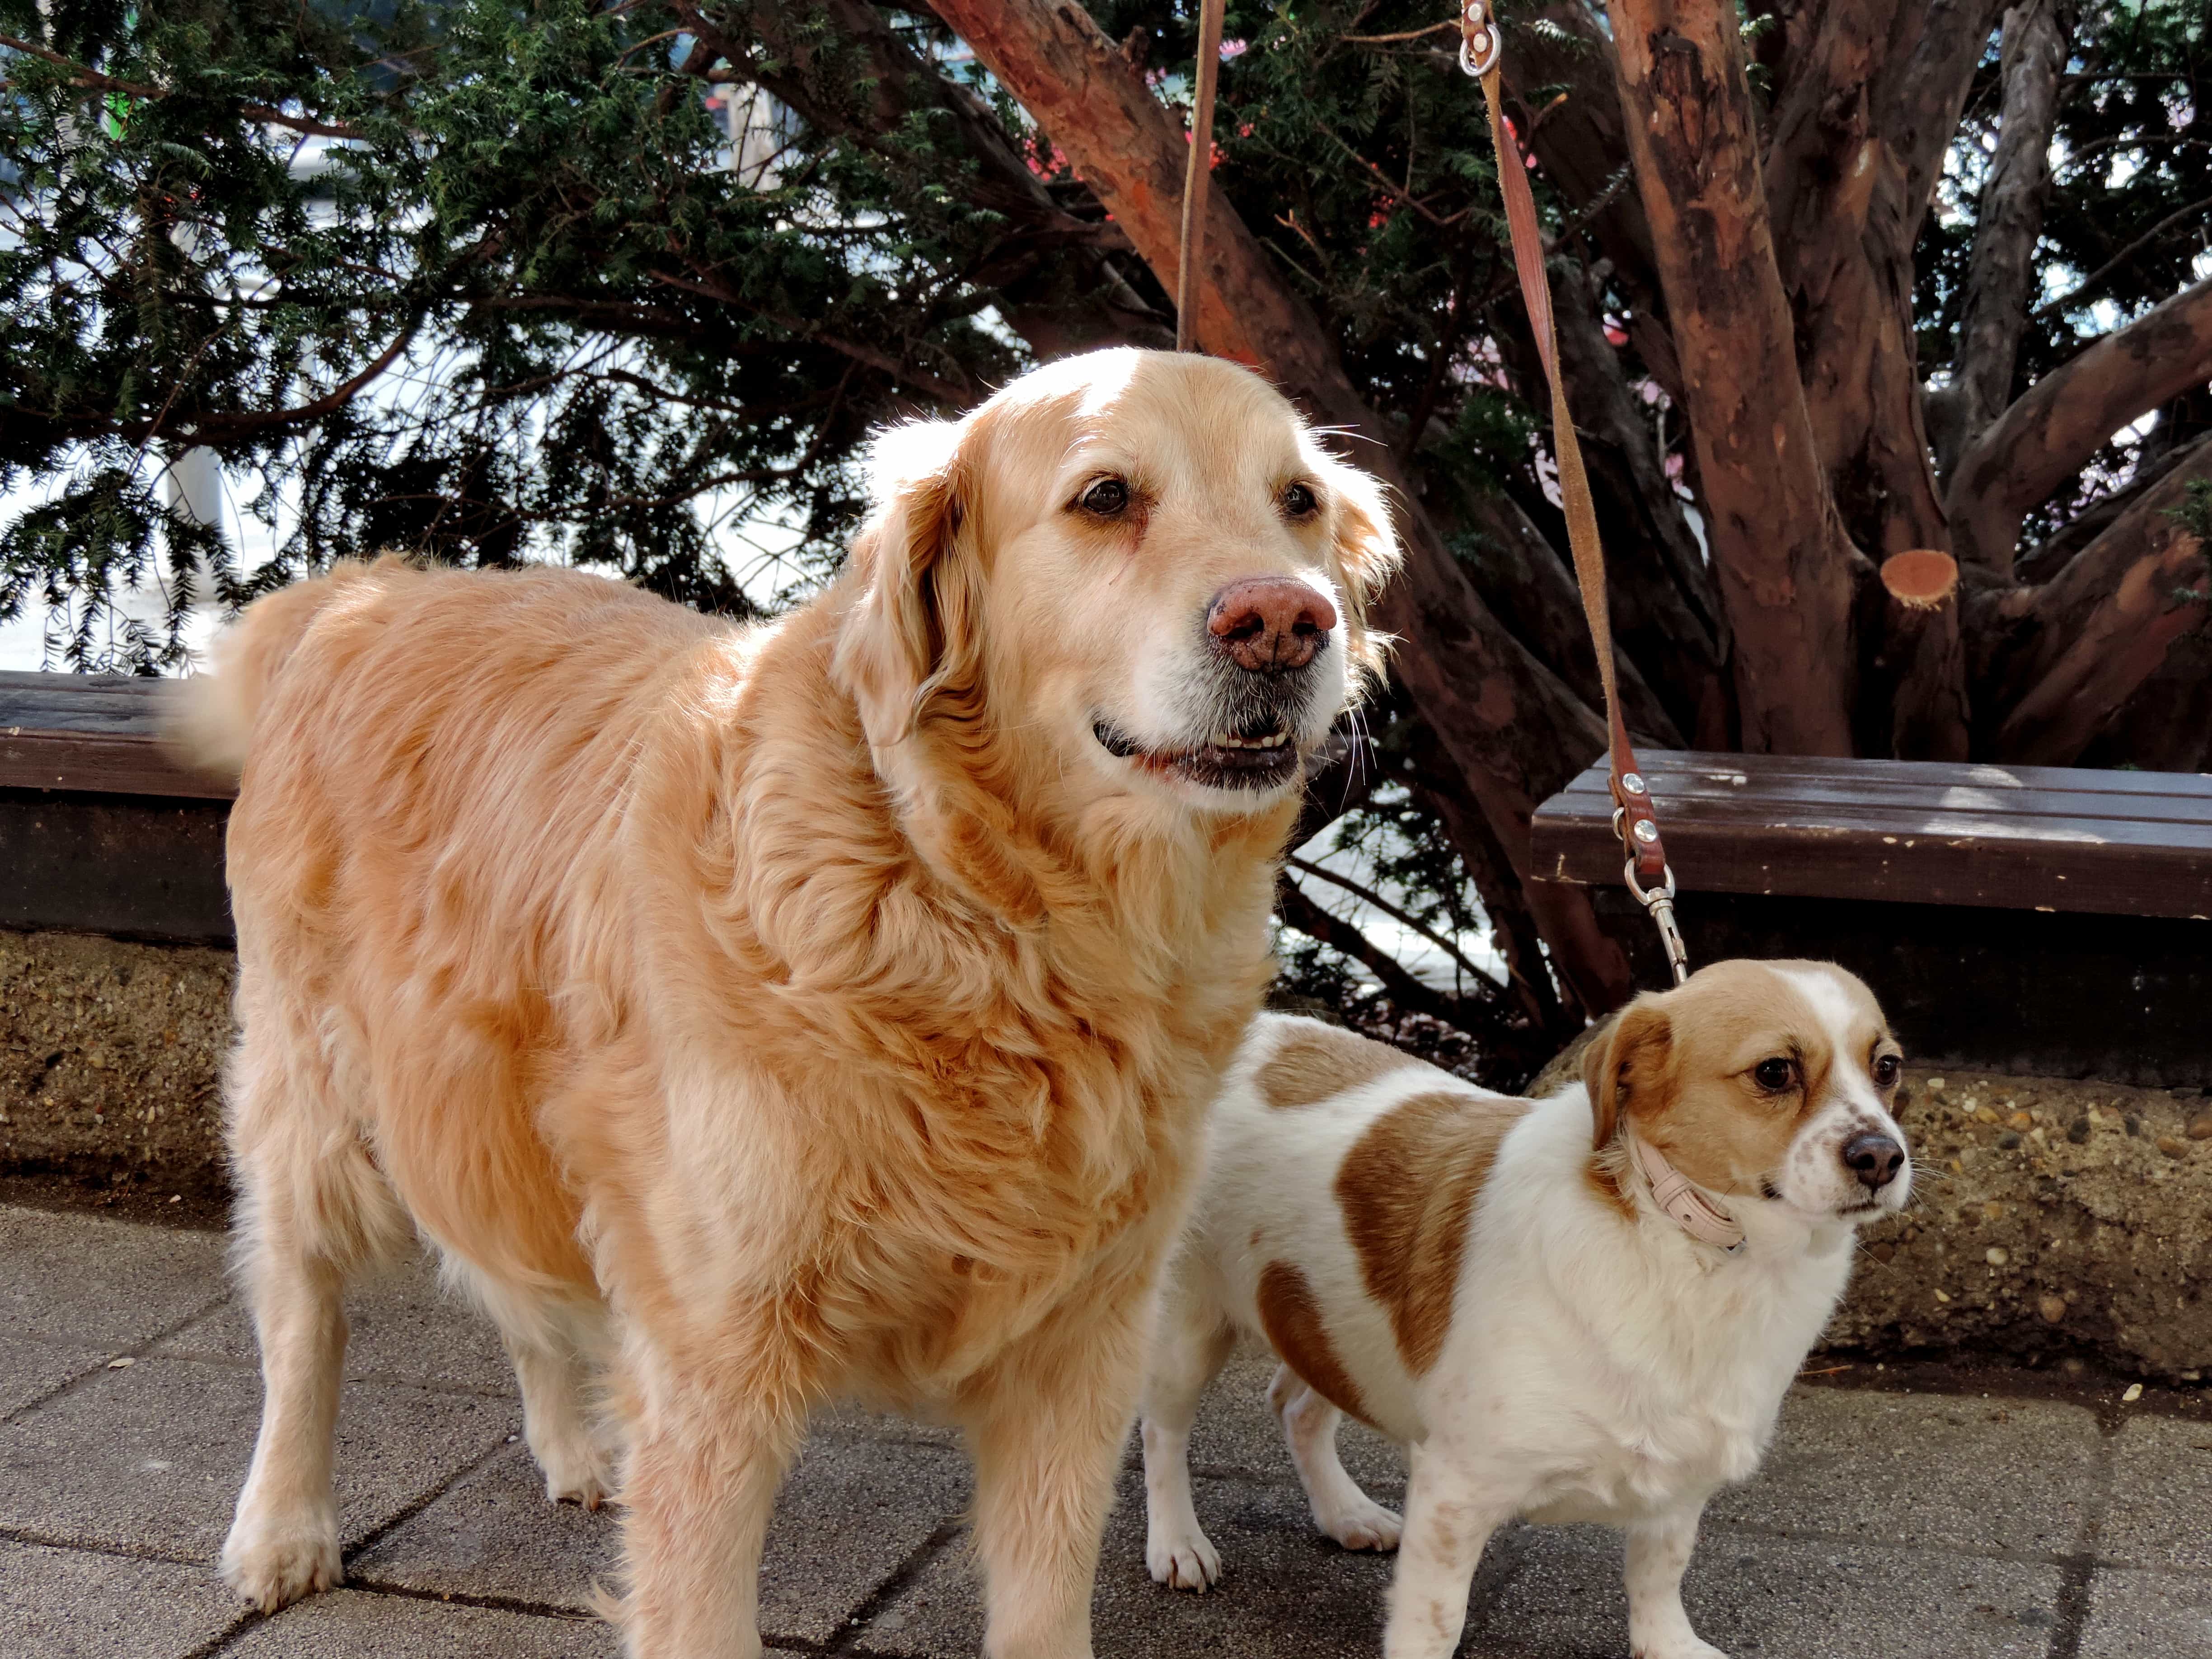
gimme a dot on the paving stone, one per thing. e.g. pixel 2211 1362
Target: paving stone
pixel 103 1284
pixel 152 1458
pixel 1285 1589
pixel 851 1514
pixel 1752 1595
pixel 2161 1496
pixel 2135 1615
pixel 406 1328
pixel 1947 1470
pixel 63 1604
pixel 30 1368
pixel 348 1625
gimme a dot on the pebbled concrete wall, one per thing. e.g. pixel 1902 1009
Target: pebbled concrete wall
pixel 2051 1216
pixel 109 1052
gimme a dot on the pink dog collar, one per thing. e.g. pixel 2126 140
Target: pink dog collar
pixel 1696 1214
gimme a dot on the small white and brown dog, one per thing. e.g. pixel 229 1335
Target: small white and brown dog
pixel 1556 1326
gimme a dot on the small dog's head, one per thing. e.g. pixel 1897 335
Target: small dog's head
pixel 1768 1081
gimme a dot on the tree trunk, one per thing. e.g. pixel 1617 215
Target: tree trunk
pixel 1579 142
pixel 1843 219
pixel 1784 561
pixel 1922 662
pixel 1667 614
pixel 2053 430
pixel 2002 270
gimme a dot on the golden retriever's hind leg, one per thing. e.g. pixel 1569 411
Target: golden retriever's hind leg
pixel 698 1490
pixel 557 1347
pixel 312 1210
pixel 1046 1438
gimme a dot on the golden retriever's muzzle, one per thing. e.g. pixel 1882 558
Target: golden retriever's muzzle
pixel 1263 638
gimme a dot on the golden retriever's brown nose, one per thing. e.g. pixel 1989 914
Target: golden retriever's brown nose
pixel 1875 1158
pixel 1269 624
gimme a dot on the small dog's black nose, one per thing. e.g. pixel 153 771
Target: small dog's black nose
pixel 1875 1158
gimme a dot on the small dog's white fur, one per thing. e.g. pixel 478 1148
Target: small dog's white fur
pixel 1546 1343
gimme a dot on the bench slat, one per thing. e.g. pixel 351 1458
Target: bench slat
pixel 97 733
pixel 2047 838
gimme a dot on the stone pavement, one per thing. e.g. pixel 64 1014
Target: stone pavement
pixel 1896 1524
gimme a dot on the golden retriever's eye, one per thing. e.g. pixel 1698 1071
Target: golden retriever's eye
pixel 1885 1069
pixel 1107 499
pixel 1775 1076
pixel 1299 501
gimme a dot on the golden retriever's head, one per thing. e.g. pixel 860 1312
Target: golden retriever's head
pixel 1769 1081
pixel 1137 571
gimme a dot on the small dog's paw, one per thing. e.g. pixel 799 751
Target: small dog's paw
pixel 272 1563
pixel 1189 1563
pixel 1367 1526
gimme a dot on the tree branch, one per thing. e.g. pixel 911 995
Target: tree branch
pixel 93 81
pixel 1367 895
pixel 1784 561
pixel 2105 624
pixel 1310 919
pixel 2052 429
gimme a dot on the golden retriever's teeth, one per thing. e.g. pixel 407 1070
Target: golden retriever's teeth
pixel 1225 741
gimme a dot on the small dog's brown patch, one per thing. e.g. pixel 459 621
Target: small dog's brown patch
pixel 1406 1189
pixel 1314 1061
pixel 1290 1315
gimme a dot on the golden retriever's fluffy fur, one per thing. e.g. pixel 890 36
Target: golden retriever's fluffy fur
pixel 835 1002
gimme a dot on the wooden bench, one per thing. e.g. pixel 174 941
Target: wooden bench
pixel 2032 918
pixel 100 832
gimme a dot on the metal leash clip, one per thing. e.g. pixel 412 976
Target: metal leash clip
pixel 1660 902
pixel 1480 42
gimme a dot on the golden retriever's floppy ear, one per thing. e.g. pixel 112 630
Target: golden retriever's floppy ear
pixel 1363 549
pixel 910 638
pixel 1632 1061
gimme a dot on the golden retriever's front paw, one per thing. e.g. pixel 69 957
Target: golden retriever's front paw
pixel 273 1561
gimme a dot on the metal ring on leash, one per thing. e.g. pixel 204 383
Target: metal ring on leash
pixel 1479 43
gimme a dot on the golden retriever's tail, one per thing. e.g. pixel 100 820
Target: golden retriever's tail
pixel 209 720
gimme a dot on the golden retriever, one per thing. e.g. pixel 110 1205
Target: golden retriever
pixel 835 1004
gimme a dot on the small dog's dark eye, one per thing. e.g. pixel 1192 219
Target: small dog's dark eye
pixel 1774 1075
pixel 1108 498
pixel 1885 1071
pixel 1299 502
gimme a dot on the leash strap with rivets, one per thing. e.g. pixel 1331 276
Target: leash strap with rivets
pixel 1645 870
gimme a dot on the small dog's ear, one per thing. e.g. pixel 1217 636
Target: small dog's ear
pixel 911 636
pixel 1627 1063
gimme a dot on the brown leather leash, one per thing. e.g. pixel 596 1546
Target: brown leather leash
pixel 1198 173
pixel 1646 871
